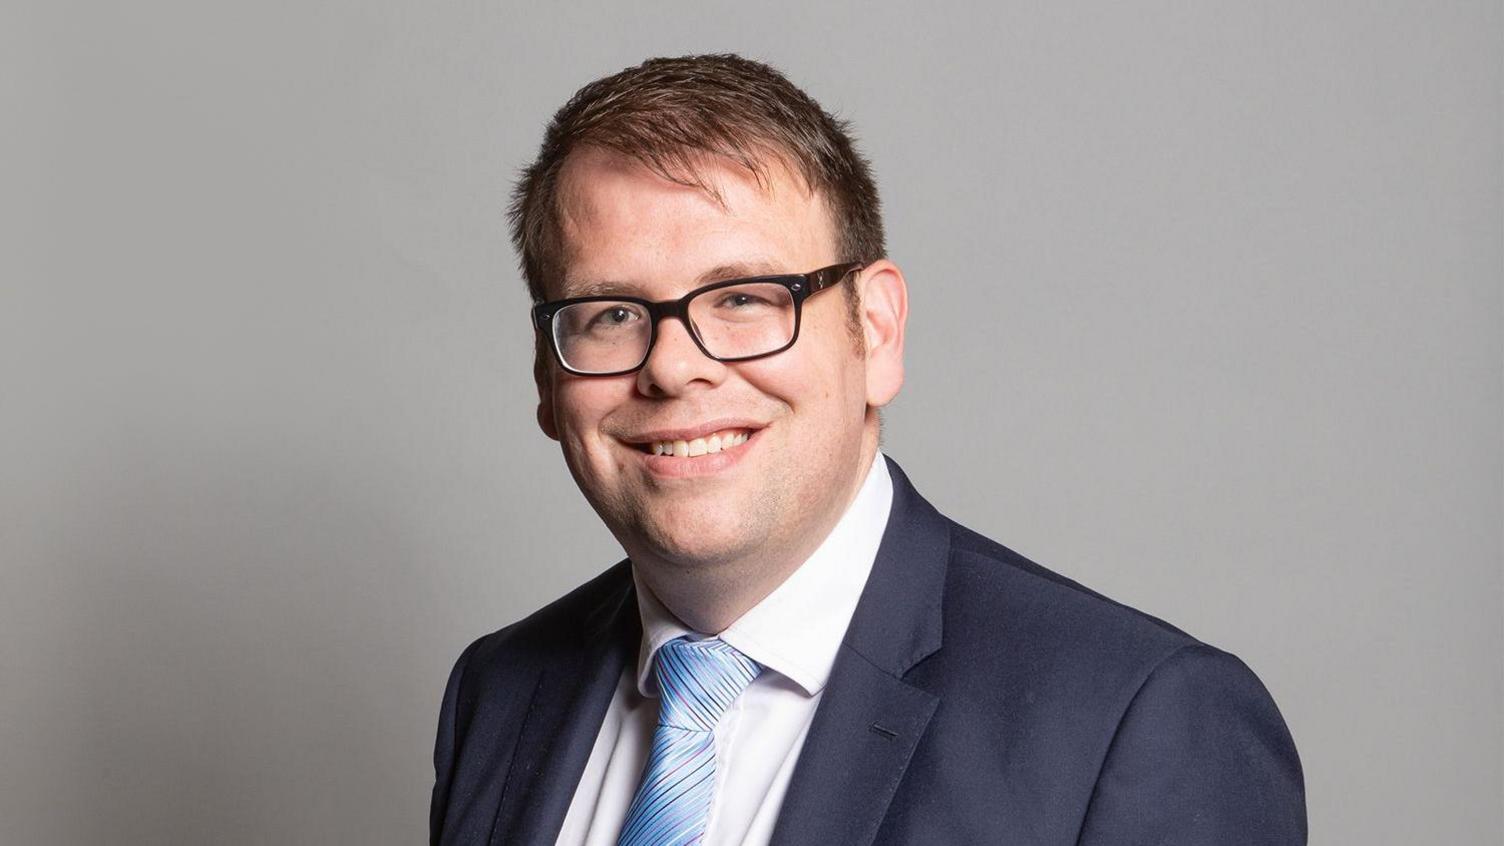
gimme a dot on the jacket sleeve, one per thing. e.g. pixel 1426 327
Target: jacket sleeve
pixel 1201 756
pixel 444 748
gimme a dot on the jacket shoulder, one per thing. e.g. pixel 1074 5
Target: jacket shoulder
pixel 1122 693
pixel 1059 630
pixel 561 625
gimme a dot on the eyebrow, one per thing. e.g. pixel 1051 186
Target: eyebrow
pixel 739 270
pixel 597 289
pixel 719 273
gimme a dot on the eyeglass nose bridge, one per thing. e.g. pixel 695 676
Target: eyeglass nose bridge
pixel 660 311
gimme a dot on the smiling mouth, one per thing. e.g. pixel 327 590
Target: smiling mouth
pixel 710 444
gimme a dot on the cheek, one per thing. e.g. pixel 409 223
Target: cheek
pixel 814 378
pixel 579 408
pixel 580 404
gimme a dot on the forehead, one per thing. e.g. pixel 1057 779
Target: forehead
pixel 623 225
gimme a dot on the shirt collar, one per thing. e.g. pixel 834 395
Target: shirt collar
pixel 796 630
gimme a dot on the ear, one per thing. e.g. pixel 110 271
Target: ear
pixel 885 310
pixel 543 378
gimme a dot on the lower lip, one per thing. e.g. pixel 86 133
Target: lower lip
pixel 709 464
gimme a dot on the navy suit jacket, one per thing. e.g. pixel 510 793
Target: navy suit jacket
pixel 977 698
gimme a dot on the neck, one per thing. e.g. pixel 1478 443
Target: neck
pixel 709 596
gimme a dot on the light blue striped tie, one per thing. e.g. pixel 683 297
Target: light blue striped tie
pixel 697 681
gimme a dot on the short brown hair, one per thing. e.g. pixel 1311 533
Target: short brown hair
pixel 670 114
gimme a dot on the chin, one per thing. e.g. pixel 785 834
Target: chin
pixel 700 542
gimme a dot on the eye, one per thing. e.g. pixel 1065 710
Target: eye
pixel 742 299
pixel 617 315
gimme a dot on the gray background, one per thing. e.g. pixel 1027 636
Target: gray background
pixel 1206 311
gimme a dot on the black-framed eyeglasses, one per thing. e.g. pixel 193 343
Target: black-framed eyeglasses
pixel 734 320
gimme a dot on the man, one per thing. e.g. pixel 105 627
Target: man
pixel 798 648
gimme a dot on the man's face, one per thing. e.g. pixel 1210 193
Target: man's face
pixel 804 412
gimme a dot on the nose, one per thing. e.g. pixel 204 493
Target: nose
pixel 676 363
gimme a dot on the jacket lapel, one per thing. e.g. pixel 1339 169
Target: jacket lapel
pixel 561 724
pixel 870 720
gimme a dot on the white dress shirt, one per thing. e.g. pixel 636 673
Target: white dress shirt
pixel 794 633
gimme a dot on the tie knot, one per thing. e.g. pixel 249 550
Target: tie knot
pixel 698 680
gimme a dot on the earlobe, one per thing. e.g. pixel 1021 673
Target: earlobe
pixel 546 420
pixel 885 311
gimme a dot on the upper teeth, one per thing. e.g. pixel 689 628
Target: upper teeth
pixel 700 446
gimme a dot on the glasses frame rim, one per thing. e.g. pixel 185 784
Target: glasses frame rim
pixel 801 287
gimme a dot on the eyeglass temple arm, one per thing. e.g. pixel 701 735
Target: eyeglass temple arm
pixel 831 276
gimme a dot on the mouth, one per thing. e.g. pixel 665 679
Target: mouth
pixel 710 444
pixel 709 449
pixel 695 453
